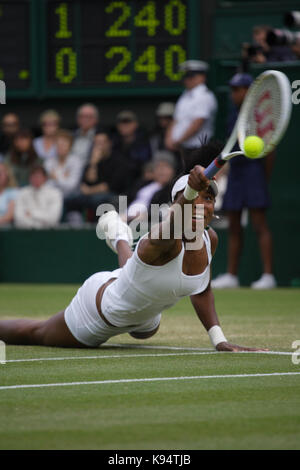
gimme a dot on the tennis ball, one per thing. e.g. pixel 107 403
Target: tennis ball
pixel 253 146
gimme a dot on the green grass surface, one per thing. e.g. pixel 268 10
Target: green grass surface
pixel 261 412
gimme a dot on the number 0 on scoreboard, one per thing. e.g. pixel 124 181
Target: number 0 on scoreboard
pixel 108 44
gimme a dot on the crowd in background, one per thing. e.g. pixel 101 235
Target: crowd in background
pixel 269 45
pixel 63 175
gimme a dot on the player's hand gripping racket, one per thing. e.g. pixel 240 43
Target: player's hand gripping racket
pixel 265 113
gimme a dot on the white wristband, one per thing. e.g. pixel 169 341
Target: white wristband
pixel 190 193
pixel 216 335
pixel 115 242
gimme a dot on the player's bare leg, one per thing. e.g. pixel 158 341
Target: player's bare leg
pixel 235 241
pixel 259 222
pixel 144 335
pixel 51 332
pixel 54 332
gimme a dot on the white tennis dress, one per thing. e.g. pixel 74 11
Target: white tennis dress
pixel 135 300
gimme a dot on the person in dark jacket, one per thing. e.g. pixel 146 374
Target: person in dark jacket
pixel 106 175
pixel 132 142
pixel 10 125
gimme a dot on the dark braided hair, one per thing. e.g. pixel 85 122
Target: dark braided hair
pixel 203 155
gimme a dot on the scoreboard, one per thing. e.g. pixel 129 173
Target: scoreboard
pixel 17 51
pixel 96 47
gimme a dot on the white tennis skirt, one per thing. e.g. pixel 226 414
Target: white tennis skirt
pixel 83 319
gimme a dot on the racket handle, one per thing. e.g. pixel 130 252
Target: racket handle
pixel 214 167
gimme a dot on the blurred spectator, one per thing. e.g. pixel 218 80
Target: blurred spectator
pixel 195 111
pixel 22 156
pixel 247 188
pixel 106 176
pixel 163 195
pixel 145 178
pixel 163 175
pixel 38 205
pixel 260 51
pixel 10 125
pixel 45 146
pixel 106 167
pixel 8 194
pixel 132 142
pixel 252 53
pixel 296 49
pixel 87 120
pixel 164 118
pixel 65 169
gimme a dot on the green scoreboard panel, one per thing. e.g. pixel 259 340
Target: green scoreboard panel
pixel 96 47
pixel 115 46
pixel 18 54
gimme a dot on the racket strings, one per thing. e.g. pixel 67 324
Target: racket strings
pixel 266 110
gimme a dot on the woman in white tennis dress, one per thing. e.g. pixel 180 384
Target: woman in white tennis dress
pixel 161 271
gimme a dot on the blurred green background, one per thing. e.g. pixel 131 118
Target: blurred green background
pixel 71 255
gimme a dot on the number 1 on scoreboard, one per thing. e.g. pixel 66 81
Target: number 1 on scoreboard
pixel 62 12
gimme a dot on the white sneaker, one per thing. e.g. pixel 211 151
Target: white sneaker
pixel 111 228
pixel 267 281
pixel 225 281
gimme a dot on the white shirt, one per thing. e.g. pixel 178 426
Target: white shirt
pixel 38 208
pixel 82 145
pixel 68 174
pixel 142 291
pixel 199 102
pixel 6 197
pixel 38 145
pixel 143 198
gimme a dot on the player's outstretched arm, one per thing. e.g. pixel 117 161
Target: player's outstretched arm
pixel 168 234
pixel 228 347
pixel 204 306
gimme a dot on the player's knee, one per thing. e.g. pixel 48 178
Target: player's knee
pixel 38 333
pixel 29 332
pixel 143 334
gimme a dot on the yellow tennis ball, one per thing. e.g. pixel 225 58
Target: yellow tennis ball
pixel 253 146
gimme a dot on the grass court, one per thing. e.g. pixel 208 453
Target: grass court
pixel 172 391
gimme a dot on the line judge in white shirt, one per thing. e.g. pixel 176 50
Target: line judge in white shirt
pixel 195 110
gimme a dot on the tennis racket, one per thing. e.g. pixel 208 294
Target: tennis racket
pixel 265 113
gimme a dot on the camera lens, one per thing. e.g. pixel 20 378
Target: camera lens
pixel 272 38
pixel 280 37
pixel 292 18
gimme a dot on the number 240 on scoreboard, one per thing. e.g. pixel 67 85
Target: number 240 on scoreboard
pixel 137 37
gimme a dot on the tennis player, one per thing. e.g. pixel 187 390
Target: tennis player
pixel 154 277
